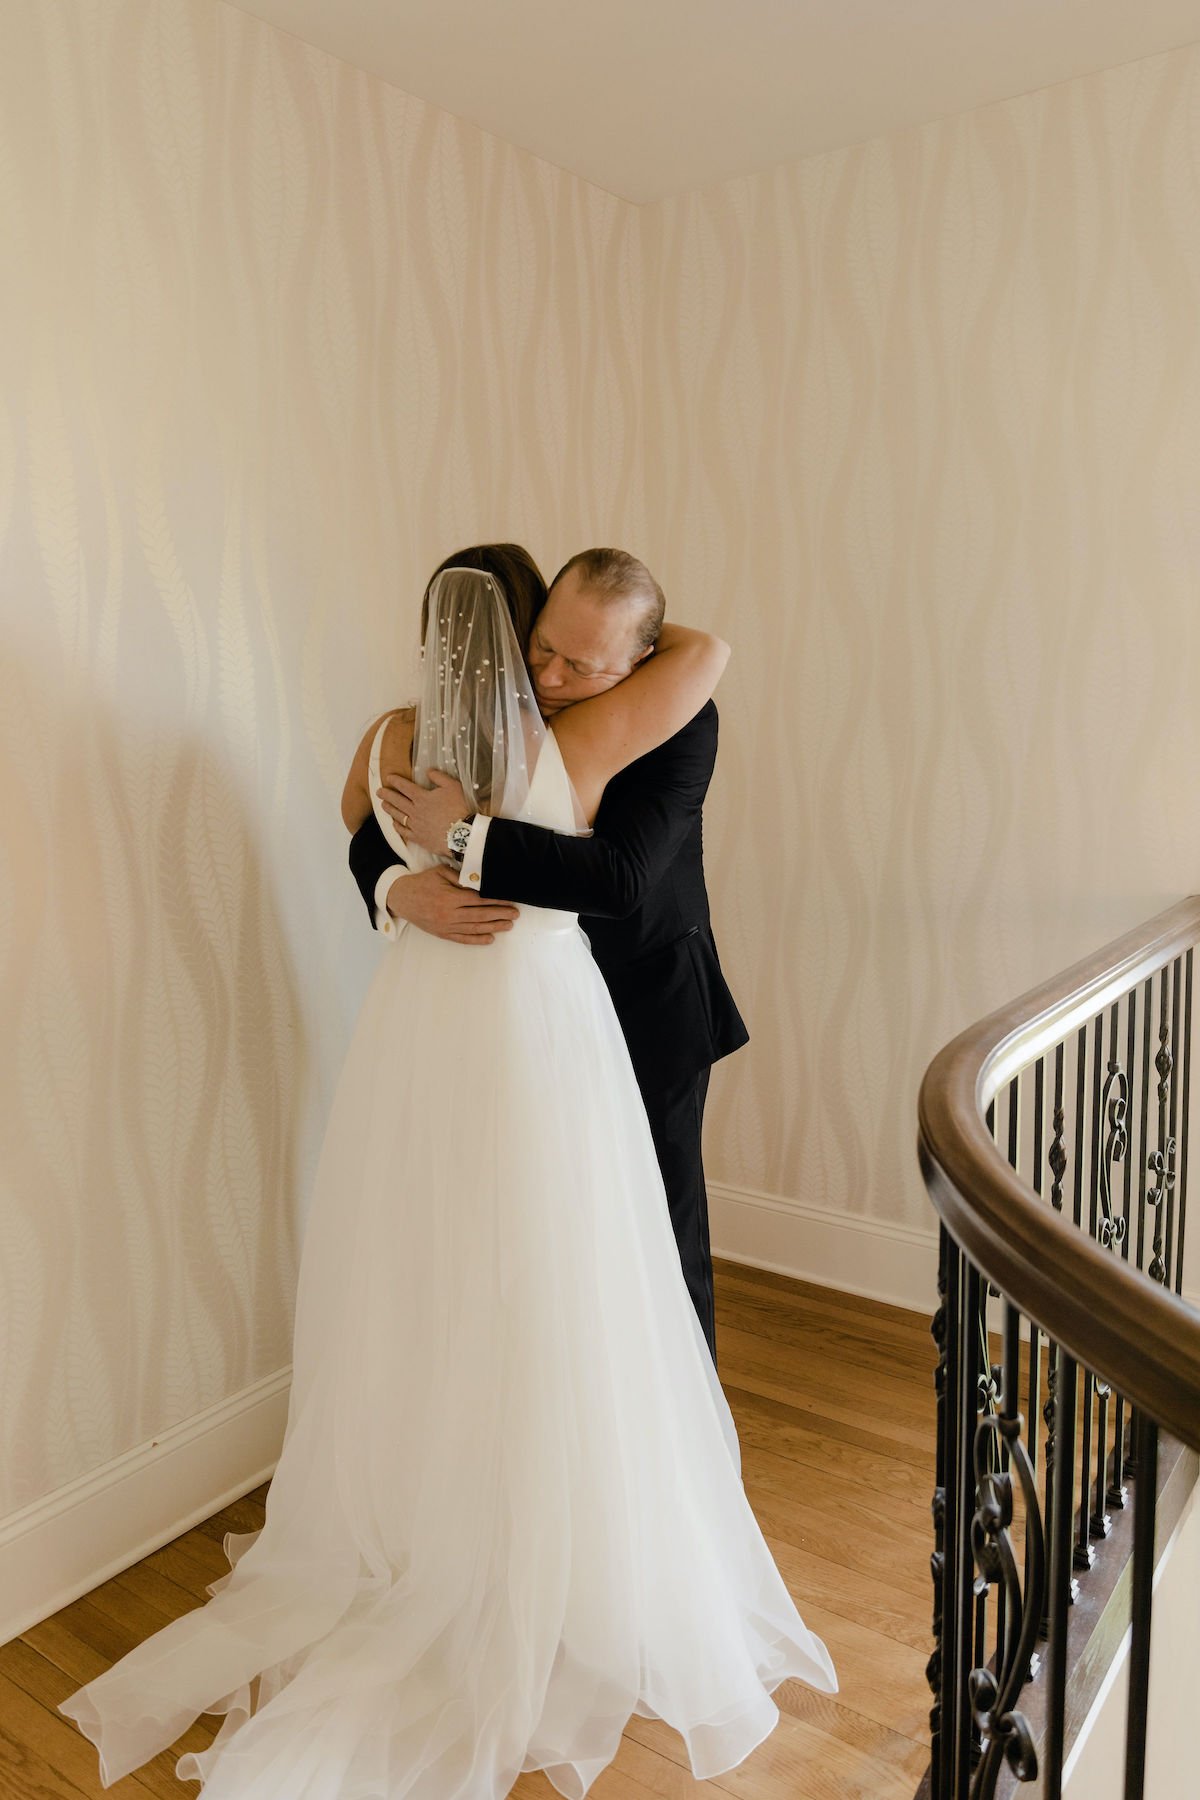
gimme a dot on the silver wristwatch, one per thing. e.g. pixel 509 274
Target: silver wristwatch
pixel 458 836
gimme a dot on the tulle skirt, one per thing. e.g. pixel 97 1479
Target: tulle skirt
pixel 508 1511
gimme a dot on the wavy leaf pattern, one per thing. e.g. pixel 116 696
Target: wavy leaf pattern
pixel 915 423
pixel 923 440
pixel 277 337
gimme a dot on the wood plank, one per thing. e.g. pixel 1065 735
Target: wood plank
pixel 896 1612
pixel 774 1402
pixel 833 1400
pixel 767 1317
pixel 799 1760
pixel 44 1683
pixel 873 1315
pixel 802 1440
pixel 877 1678
pixel 816 1372
pixel 764 1472
pixel 43 1754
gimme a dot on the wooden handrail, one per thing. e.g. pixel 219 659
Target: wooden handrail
pixel 1112 1318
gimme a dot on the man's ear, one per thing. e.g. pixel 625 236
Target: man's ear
pixel 642 655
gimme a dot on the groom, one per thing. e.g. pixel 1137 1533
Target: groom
pixel 637 882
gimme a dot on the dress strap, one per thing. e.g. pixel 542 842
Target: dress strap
pixel 386 822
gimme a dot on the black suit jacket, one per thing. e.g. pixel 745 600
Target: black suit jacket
pixel 638 885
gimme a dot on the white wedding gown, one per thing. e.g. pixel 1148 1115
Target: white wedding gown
pixel 508 1511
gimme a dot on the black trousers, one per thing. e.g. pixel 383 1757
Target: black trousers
pixel 675 1110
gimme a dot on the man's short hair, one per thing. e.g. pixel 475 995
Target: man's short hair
pixel 616 575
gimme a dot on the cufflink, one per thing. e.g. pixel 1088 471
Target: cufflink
pixel 474 876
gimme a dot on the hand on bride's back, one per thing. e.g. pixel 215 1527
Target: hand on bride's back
pixel 435 902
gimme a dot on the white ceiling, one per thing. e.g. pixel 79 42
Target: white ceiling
pixel 647 97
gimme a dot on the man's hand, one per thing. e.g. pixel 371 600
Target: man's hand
pixel 424 815
pixel 434 902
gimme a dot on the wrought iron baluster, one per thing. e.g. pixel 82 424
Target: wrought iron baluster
pixel 1050 1415
pixel 966 1735
pixel 1114 1105
pixel 1100 1520
pixel 1062 1527
pixel 1142 1158
pixel 1130 1058
pixel 1004 1731
pixel 1161 1163
pixel 1080 1110
pixel 952 1711
pixel 1117 1493
pixel 1145 1500
pixel 1185 1123
pixel 1097 1122
pixel 987 1407
pixel 1000 1441
pixel 1114 1113
pixel 1173 1125
pixel 1058 1167
pixel 987 1393
pixel 938 1560
pixel 1085 1556
pixel 1035 1348
pixel 1058 1154
pixel 1143 1170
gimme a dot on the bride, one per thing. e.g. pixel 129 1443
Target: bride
pixel 508 1511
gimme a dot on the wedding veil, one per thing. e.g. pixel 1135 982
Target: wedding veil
pixel 477 715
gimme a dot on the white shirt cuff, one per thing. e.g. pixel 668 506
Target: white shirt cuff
pixel 384 921
pixel 471 873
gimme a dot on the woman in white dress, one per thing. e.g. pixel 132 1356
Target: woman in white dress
pixel 508 1512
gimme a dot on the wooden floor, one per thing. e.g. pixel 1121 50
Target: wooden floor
pixel 833 1400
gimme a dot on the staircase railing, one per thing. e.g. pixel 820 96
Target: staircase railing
pixel 1053 1141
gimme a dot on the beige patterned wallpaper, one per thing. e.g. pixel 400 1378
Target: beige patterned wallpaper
pixel 277 338
pixel 916 424
pixel 923 420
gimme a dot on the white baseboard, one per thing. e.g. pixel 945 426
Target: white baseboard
pixel 71 1540
pixel 871 1257
pixel 880 1261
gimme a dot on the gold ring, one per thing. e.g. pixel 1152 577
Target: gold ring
pixel 404 821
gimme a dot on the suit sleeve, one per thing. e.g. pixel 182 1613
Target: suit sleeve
pixel 371 856
pixel 642 821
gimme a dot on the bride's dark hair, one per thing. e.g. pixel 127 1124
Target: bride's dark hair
pixel 476 715
pixel 519 578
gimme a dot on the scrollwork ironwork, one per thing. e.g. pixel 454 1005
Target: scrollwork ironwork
pixel 933 1668
pixel 993 1592
pixel 1110 1230
pixel 1161 1164
pixel 1115 1106
pixel 1004 1731
pixel 1164 1062
pixel 1058 1160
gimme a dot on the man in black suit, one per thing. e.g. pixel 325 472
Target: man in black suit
pixel 637 882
